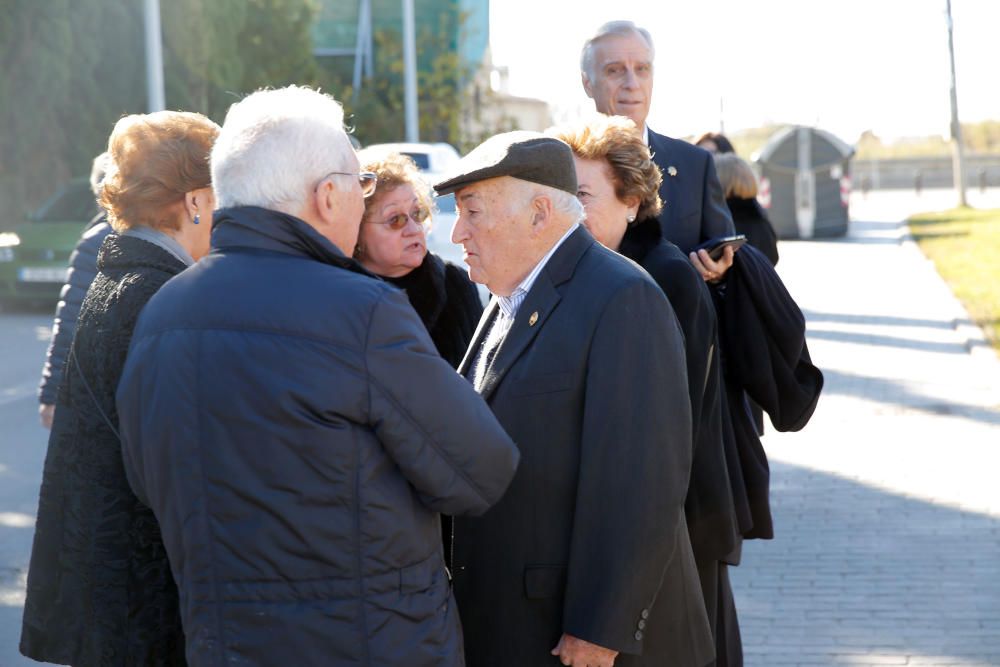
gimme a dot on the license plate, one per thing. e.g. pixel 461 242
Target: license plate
pixel 41 274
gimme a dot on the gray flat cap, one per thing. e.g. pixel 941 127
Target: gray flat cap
pixel 529 156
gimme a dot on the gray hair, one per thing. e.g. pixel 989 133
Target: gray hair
pixel 610 28
pixel 97 171
pixel 275 145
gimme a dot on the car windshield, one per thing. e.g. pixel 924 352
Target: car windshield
pixel 446 203
pixel 74 202
pixel 422 160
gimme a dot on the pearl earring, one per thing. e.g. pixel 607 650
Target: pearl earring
pixel 630 219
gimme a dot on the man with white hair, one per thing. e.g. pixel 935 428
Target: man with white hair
pixel 616 68
pixel 581 358
pixel 285 415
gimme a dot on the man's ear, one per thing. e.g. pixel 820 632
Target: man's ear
pixel 541 212
pixel 322 201
pixel 585 80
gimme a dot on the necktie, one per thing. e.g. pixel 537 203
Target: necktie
pixel 488 350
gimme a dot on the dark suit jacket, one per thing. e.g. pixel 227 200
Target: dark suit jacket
pixel 590 382
pixel 694 209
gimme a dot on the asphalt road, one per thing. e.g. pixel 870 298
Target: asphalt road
pixel 24 337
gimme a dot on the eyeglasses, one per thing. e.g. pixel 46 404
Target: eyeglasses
pixel 419 215
pixel 367 179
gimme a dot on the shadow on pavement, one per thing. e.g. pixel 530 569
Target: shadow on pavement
pixel 864 338
pixel 896 392
pixel 813 316
pixel 858 575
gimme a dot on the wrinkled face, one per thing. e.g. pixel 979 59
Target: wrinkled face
pixel 607 216
pixel 622 77
pixel 494 228
pixel 393 236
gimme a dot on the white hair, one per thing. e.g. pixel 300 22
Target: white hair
pixel 98 168
pixel 563 203
pixel 610 28
pixel 275 145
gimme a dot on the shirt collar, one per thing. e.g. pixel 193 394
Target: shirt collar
pixel 510 304
pixel 645 134
pixel 164 241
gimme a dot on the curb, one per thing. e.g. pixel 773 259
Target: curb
pixel 973 337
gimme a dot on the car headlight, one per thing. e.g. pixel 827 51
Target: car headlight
pixel 7 242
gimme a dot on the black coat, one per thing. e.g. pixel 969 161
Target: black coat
pixel 590 538
pixel 447 302
pixel 765 357
pixel 709 507
pixel 100 590
pixel 694 209
pixel 749 219
pixel 82 269
pixel 287 418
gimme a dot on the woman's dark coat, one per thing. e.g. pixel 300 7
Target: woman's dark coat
pixel 709 505
pixel 82 269
pixel 100 590
pixel 447 302
pixel 764 357
pixel 285 415
pixel 749 219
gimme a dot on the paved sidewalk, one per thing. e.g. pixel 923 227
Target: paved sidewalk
pixel 887 506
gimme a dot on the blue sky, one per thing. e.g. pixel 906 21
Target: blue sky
pixel 847 66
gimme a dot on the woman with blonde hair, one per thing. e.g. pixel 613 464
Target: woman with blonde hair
pixel 739 186
pixel 100 590
pixel 392 243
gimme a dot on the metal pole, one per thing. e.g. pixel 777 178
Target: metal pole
pixel 957 156
pixel 155 97
pixel 410 72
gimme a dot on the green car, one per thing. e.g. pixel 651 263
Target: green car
pixel 34 257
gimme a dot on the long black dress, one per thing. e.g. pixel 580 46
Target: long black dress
pixel 100 591
pixel 446 301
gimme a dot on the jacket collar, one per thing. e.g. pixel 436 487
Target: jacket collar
pixel 640 238
pixel 259 228
pixel 540 302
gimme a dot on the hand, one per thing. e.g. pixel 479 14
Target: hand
pixel 46 413
pixel 579 653
pixel 712 271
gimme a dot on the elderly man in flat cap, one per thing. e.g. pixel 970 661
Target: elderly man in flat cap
pixel 580 356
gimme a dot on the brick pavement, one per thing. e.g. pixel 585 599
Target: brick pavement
pixel 887 506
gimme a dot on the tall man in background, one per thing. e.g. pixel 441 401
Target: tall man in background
pixel 617 72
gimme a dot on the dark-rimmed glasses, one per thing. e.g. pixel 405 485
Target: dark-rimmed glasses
pixel 367 179
pixel 419 215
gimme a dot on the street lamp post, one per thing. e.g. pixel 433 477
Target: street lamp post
pixel 156 100
pixel 957 157
pixel 410 73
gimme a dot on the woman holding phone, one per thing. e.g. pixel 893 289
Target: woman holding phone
pixel 618 185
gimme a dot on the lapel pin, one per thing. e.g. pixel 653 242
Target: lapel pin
pixel 671 170
pixel 533 319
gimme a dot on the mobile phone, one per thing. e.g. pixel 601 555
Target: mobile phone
pixel 716 246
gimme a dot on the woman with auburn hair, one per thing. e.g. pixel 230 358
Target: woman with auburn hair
pixel 618 184
pixel 100 591
pixel 392 243
pixel 739 186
